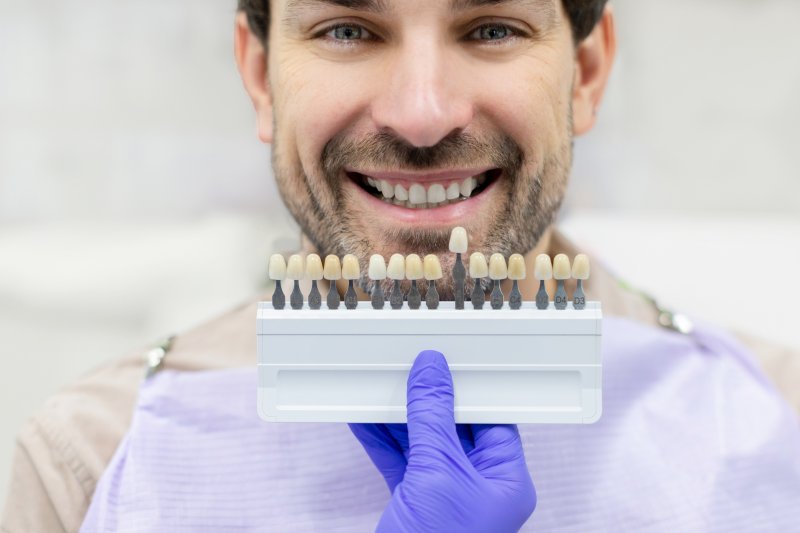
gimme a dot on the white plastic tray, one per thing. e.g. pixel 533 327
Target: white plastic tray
pixel 523 366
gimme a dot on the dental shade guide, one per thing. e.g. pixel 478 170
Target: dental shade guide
pixel 314 273
pixel 332 273
pixel 414 272
pixel 561 272
pixel 478 269
pixel 433 271
pixel 543 271
pixel 458 246
pixel 351 271
pixel 377 273
pixel 521 363
pixel 277 272
pixel 498 271
pixel 396 272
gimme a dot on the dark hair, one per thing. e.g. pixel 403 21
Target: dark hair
pixel 583 16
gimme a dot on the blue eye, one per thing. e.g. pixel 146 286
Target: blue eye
pixel 492 32
pixel 348 32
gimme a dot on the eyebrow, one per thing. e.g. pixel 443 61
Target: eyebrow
pixel 295 7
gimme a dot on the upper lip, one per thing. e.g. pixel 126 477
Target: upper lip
pixel 421 176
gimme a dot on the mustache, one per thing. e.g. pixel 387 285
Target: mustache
pixel 385 150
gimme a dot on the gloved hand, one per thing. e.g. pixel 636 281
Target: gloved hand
pixel 443 477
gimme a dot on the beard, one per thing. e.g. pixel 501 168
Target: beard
pixel 531 195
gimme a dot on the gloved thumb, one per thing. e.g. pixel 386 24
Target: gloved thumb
pixel 431 422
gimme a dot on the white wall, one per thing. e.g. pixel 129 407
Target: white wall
pixel 135 198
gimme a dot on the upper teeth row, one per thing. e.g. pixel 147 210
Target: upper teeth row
pixel 436 193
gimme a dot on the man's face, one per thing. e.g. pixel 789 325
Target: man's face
pixel 397 120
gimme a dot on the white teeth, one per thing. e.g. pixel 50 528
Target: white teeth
pixel 313 267
pixel 397 267
pixel 497 267
pixel 580 267
pixel 466 187
pixel 543 270
pixel 561 268
pixel 350 267
pixel 387 189
pixel 277 267
pixel 516 267
pixel 458 240
pixel 417 195
pixel 400 193
pixel 294 268
pixel 377 267
pixel 333 268
pixel 414 267
pixel 453 191
pixel 477 266
pixel 436 194
pixel 433 269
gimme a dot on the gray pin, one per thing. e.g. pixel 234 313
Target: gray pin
pixel 278 298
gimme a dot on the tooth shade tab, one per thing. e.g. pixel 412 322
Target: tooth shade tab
pixel 458 240
pixel 350 267
pixel 313 267
pixel 294 268
pixel 478 267
pixel 333 268
pixel 277 267
pixel 397 267
pixel 433 268
pixel 516 267
pixel 497 267
pixel 561 268
pixel 580 267
pixel 377 267
pixel 543 269
pixel 414 268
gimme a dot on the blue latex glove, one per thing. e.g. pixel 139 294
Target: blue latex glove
pixel 445 477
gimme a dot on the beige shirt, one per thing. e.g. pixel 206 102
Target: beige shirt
pixel 64 449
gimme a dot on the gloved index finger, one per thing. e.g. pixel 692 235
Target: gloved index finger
pixel 431 421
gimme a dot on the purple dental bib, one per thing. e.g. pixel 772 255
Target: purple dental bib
pixel 692 438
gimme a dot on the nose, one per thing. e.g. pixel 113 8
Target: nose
pixel 419 101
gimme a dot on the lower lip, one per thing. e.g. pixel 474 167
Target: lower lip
pixel 456 212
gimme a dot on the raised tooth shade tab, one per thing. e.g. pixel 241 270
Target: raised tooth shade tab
pixel 497 267
pixel 333 268
pixel 314 268
pixel 400 193
pixel 436 194
pixel 458 240
pixel 561 268
pixel 350 267
pixel 277 267
pixel 294 268
pixel 414 268
pixel 543 270
pixel 516 267
pixel 478 267
pixel 432 267
pixel 580 267
pixel 397 267
pixel 377 267
pixel 417 194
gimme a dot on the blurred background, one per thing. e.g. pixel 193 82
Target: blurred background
pixel 136 201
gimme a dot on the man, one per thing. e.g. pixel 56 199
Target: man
pixel 417 94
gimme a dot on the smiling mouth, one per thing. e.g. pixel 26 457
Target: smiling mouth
pixel 425 194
